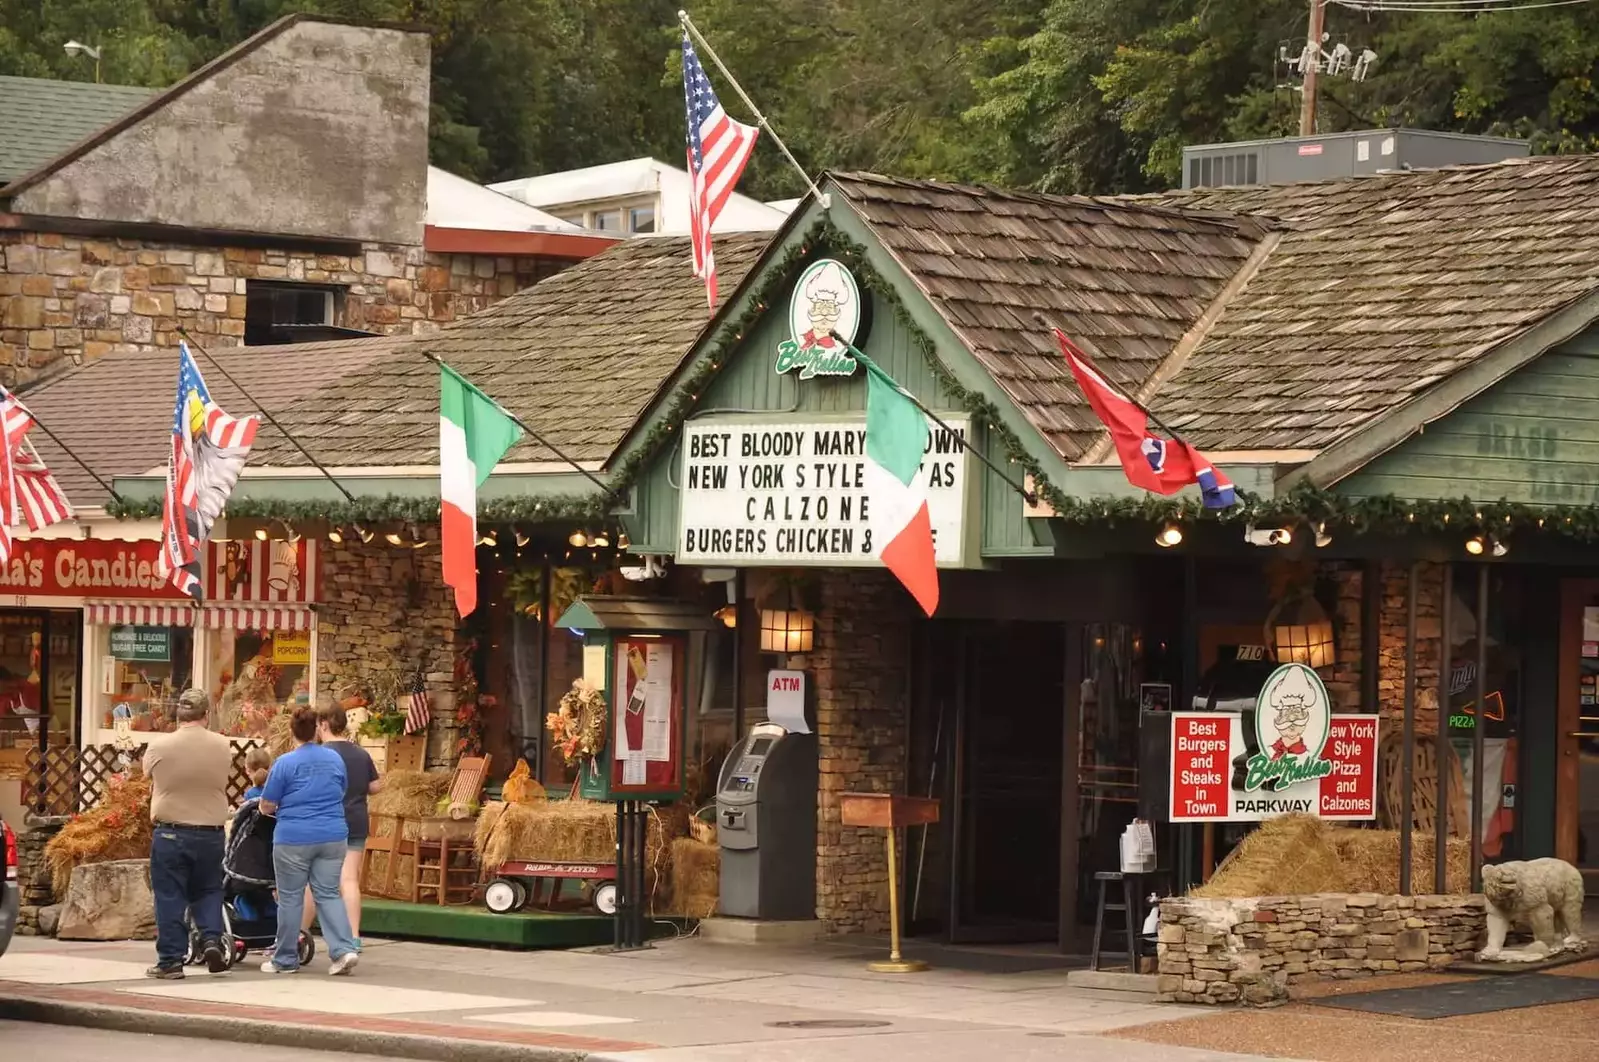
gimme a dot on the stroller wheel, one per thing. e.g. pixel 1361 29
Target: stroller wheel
pixel 307 949
pixel 195 955
pixel 236 949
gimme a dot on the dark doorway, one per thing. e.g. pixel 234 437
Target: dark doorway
pixel 1006 786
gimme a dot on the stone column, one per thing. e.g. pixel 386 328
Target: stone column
pixel 861 666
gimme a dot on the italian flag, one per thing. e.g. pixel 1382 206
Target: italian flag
pixel 902 530
pixel 474 433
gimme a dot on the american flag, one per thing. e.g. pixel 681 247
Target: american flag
pixel 28 490
pixel 418 713
pixel 718 149
pixel 208 453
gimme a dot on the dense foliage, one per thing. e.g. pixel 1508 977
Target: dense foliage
pixel 1079 95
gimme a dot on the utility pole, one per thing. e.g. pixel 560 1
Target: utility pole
pixel 1307 104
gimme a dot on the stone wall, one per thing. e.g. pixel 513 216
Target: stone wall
pixel 386 607
pixel 1251 950
pixel 33 876
pixel 72 296
pixel 861 668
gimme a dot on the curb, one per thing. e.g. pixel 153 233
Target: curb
pixel 254 1031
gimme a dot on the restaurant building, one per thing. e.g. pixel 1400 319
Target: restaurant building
pixel 1369 360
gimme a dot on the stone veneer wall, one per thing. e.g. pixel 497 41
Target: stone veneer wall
pixel 81 296
pixel 861 666
pixel 384 607
pixel 1225 951
pixel 1343 679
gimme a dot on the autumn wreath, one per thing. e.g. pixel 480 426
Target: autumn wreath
pixel 578 728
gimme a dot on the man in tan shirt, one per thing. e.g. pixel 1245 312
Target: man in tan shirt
pixel 189 771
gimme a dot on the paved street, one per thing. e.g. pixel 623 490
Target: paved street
pixel 24 1039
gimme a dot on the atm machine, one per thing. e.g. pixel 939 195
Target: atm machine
pixel 766 826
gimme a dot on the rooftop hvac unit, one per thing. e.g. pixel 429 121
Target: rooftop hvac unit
pixel 1324 158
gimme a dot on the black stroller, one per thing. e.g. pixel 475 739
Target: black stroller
pixel 249 909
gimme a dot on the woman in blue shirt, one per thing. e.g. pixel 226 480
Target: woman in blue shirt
pixel 305 791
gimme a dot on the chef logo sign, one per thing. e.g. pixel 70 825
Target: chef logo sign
pixel 1291 754
pixel 825 301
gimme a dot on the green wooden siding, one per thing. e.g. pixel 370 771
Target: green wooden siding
pixel 1533 438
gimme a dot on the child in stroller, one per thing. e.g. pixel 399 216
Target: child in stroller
pixel 249 907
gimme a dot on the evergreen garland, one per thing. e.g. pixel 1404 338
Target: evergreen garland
pixel 1386 514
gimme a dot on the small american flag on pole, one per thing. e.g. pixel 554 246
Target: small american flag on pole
pixel 418 713
pixel 28 490
pixel 718 149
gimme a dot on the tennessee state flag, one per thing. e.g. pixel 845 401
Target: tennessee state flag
pixel 1164 466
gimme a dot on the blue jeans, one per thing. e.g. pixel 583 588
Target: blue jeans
pixel 318 865
pixel 185 876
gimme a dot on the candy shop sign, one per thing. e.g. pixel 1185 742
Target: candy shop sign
pixel 86 568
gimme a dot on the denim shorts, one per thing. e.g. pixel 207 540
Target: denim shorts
pixel 358 845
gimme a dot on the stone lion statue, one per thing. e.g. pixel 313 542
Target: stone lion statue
pixel 1539 893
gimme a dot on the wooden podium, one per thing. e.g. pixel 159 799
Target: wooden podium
pixel 891 812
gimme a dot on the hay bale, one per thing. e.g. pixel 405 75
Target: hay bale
pixel 410 794
pixel 115 829
pixel 696 878
pixel 1290 855
pixel 1371 861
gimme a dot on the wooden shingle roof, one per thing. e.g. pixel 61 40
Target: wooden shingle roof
pixel 1380 287
pixel 577 356
pixel 1125 279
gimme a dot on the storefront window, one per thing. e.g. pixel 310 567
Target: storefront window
pixel 1501 718
pixel 147 667
pixel 256 674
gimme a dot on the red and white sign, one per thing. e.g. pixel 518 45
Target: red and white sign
pixel 1211 765
pixel 89 567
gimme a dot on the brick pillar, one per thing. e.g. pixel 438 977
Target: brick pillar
pixel 861 664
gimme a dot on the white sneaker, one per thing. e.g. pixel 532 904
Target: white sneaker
pixel 273 968
pixel 344 963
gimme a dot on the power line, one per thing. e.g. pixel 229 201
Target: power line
pixel 1451 7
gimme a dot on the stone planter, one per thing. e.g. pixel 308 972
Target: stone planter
pixel 109 901
pixel 1251 950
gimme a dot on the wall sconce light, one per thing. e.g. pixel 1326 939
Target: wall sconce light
pixel 728 614
pixel 578 538
pixel 600 540
pixel 1170 534
pixel 363 533
pixel 1323 539
pixel 489 538
pixel 393 538
pixel 521 539
pixel 1268 536
pixel 261 534
pixel 1300 632
pixel 335 535
pixel 787 630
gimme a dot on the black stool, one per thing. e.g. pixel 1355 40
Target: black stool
pixel 1127 906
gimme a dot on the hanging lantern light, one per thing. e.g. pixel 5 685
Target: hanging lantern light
pixel 787 630
pixel 1301 632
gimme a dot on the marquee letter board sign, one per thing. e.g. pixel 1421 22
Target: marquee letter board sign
pixel 1291 754
pixel 795 493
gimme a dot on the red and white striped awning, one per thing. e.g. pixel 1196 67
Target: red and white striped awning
pixel 113 613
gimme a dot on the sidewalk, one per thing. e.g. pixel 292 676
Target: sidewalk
pixel 682 1001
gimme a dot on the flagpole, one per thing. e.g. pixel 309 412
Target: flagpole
pixel 760 119
pixel 520 423
pixel 1030 497
pixel 69 451
pixel 267 414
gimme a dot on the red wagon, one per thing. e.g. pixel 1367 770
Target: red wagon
pixel 516 881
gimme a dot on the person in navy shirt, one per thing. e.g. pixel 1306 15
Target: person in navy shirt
pixel 305 792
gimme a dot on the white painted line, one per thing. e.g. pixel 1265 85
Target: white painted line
pixel 41 969
pixel 553 1019
pixel 312 990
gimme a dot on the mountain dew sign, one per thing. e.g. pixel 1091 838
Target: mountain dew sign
pixel 1292 753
